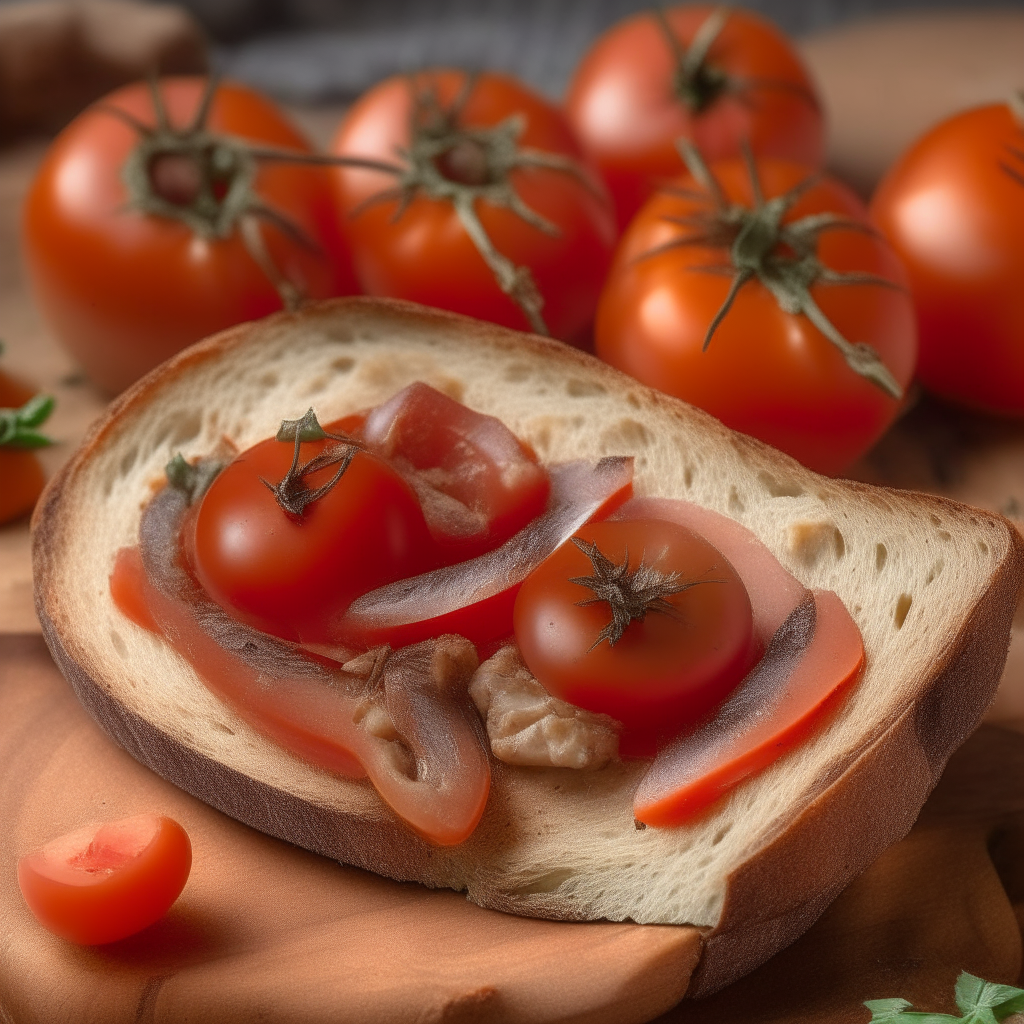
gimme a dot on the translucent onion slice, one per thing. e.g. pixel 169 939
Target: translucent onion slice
pixel 474 599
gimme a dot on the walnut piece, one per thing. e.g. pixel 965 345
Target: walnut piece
pixel 527 726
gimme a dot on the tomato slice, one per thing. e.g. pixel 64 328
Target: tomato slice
pixel 105 882
pixel 478 483
pixel 807 671
pixel 475 598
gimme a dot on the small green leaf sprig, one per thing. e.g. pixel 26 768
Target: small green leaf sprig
pixel 18 427
pixel 979 1002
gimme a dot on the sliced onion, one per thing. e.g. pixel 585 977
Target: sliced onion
pixel 474 599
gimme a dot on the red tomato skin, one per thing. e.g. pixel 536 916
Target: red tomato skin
pixel 426 256
pixel 101 884
pixel 666 671
pixel 623 109
pixel 123 291
pixel 956 219
pixel 292 577
pixel 766 372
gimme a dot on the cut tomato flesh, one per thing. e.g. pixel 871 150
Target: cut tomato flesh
pixel 478 483
pixel 802 678
pixel 475 598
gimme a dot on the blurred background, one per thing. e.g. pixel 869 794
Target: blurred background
pixel 317 51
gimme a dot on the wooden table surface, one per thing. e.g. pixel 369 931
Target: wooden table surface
pixel 265 931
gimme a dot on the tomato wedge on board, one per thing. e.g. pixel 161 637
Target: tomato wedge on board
pixel 477 482
pixel 475 598
pixel 809 667
pixel 105 882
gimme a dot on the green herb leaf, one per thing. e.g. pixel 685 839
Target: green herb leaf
pixel 193 480
pixel 980 1002
pixel 308 429
pixel 17 426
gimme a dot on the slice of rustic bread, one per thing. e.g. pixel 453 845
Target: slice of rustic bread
pixel 931 584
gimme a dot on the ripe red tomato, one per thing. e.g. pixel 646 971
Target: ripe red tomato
pixel 105 882
pixel 295 575
pixel 636 92
pixel 486 145
pixel 766 371
pixel 953 208
pixel 667 669
pixel 22 475
pixel 123 289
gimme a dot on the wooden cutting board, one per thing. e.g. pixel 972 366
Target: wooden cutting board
pixel 267 931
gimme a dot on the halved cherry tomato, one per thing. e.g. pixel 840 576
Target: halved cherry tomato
pixel 953 208
pixel 124 289
pixel 766 370
pixel 105 882
pixel 295 575
pixel 486 148
pixel 478 483
pixel 681 652
pixel 641 87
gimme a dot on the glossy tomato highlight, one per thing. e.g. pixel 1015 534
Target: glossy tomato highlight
pixel 123 289
pixel 105 882
pixel 953 208
pixel 685 646
pixel 764 368
pixel 720 77
pixel 490 209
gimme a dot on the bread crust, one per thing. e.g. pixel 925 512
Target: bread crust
pixel 794 868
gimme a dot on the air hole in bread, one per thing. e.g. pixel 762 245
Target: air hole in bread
pixel 736 503
pixel 221 727
pixel 779 488
pixel 576 387
pixel 721 833
pixel 516 373
pixel 183 428
pixel 625 435
pixel 634 400
pixel 270 379
pixel 881 556
pixel 902 610
pixel 117 641
pixel 315 386
pixel 934 571
pixel 548 882
pixel 945 535
pixel 808 541
pixel 128 460
pixel 936 521
pixel 982 547
pixel 688 477
pixel 343 364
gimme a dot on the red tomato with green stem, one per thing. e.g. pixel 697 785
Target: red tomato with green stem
pixel 953 208
pixel 489 208
pixel 288 534
pixel 20 471
pixel 160 215
pixel 102 883
pixel 761 294
pixel 642 620
pixel 718 76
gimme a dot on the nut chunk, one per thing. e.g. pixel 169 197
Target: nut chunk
pixel 527 726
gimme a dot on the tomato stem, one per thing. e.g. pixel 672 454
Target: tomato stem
pixel 630 594
pixel 18 426
pixel 697 82
pixel 207 181
pixel 291 492
pixel 463 165
pixel 783 256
